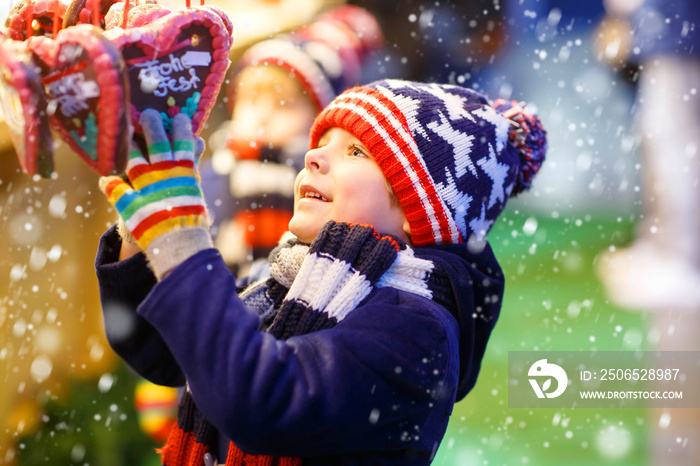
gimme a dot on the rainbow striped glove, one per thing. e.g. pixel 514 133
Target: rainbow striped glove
pixel 162 205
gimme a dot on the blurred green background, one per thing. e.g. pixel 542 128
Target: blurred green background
pixel 553 302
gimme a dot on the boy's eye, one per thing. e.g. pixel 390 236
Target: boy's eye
pixel 355 151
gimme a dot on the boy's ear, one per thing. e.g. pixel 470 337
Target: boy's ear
pixel 406 228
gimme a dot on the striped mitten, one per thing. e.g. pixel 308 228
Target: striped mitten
pixel 162 204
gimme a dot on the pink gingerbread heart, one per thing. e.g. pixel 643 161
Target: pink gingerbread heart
pixel 143 12
pixel 179 60
pixel 85 81
pixel 34 18
pixel 138 12
pixel 24 107
pixel 80 12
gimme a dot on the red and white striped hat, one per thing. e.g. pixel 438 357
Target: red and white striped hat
pixel 451 158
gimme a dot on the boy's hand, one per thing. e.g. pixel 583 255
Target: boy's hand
pixel 162 204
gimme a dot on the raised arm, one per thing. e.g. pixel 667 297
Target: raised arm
pixel 383 378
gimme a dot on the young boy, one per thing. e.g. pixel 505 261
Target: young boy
pixel 377 312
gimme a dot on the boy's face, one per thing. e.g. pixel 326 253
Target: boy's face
pixel 342 182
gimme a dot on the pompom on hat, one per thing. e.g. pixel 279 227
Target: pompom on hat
pixel 451 157
pixel 325 57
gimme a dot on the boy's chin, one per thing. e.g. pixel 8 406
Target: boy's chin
pixel 305 234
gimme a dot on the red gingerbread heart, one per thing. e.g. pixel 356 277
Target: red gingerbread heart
pixel 80 12
pixel 34 18
pixel 24 107
pixel 85 82
pixel 176 64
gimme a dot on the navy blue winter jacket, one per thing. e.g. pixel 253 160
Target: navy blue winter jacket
pixel 362 392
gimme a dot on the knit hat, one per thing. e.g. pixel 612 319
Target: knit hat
pixel 452 158
pixel 326 56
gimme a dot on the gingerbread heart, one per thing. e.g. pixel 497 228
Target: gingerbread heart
pixel 24 107
pixel 176 64
pixel 80 12
pixel 228 24
pixel 139 13
pixel 143 12
pixel 34 18
pixel 85 81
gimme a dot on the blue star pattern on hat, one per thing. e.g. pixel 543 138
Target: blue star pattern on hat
pixel 458 140
pixel 458 134
pixel 498 173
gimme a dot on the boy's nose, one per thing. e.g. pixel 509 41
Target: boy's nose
pixel 315 160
